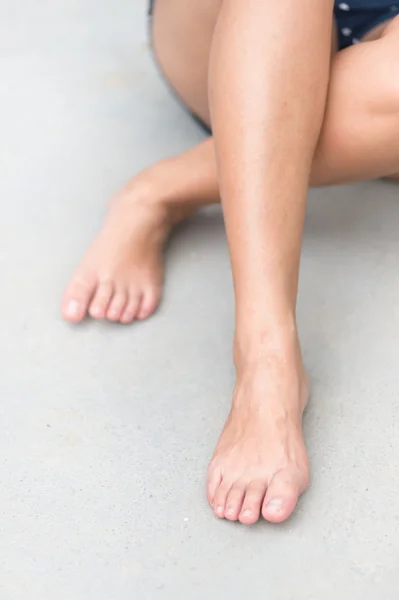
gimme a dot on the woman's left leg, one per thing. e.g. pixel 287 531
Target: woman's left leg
pixel 359 141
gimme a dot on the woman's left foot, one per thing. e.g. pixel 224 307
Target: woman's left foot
pixel 120 278
pixel 260 465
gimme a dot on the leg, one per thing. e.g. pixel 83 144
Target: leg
pixel 260 459
pixel 121 267
pixel 363 101
pixel 371 117
pixel 268 99
pixel 120 277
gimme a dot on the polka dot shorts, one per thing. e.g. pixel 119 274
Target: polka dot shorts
pixel 355 18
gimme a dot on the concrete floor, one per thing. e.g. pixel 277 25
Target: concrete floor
pixel 107 430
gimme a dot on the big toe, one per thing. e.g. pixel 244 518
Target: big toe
pixel 77 298
pixel 281 498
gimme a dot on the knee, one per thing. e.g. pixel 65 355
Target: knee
pixel 365 78
pixel 382 78
pixel 384 97
pixel 181 39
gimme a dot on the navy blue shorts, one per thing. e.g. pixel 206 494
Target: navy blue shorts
pixel 356 18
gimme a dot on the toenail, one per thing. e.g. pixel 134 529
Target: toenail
pixel 275 505
pixel 219 510
pixel 230 512
pixel 247 512
pixel 73 308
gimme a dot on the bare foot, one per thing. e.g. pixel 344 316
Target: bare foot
pixel 120 278
pixel 260 465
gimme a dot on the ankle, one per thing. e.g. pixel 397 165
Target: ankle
pixel 146 187
pixel 263 342
pixel 161 183
pixel 276 374
pixel 156 188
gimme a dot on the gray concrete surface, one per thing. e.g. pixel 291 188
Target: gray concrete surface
pixel 107 430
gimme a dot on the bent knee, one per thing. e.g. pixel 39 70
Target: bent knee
pixel 365 78
pixel 182 35
pixel 382 76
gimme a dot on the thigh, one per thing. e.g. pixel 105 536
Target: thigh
pixel 182 32
pixel 360 135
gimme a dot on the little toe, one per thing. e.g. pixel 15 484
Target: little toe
pixel 132 306
pixel 214 479
pixel 101 300
pixel 281 498
pixel 149 303
pixel 76 299
pixel 219 503
pixel 117 306
pixel 251 507
pixel 234 501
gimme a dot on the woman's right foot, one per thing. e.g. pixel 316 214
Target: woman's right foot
pixel 120 278
pixel 260 465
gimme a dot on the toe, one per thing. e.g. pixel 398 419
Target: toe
pixel 77 298
pixel 254 496
pixel 101 300
pixel 219 503
pixel 281 498
pixel 149 303
pixel 234 501
pixel 132 306
pixel 214 479
pixel 117 306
